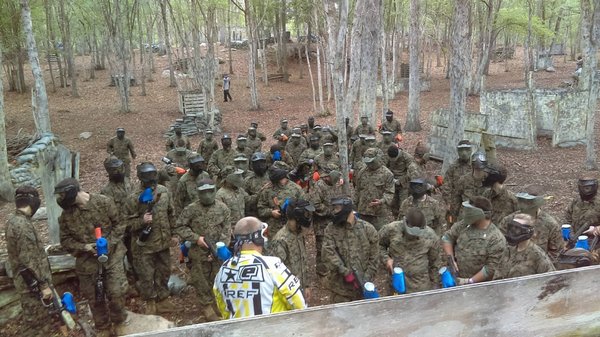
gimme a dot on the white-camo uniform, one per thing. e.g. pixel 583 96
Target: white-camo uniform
pixel 256 285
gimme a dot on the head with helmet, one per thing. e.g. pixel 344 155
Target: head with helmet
pixel 249 233
pixel 120 133
pixel 115 169
pixel 299 214
pixel 147 174
pixel 414 224
pixel 421 153
pixel 370 141
pixel 226 141
pixel 66 192
pixel 278 176
pixel 477 212
pixel 207 191
pixel 241 162
pixel 258 163
pixel 311 122
pixel 341 210
pixel 208 134
pixel 197 164
pixel 389 115
pixel 232 177
pixel 241 142
pixel 478 163
pixel 418 188
pixel 314 142
pixel 587 187
pixel 177 129
pixel 519 229
pixel 388 137
pixel 251 133
pixel 364 120
pixel 328 149
pixel 27 199
pixel 495 175
pixel 330 175
pixel 283 123
pixel 464 150
pixel 530 200
pixel 296 138
pixel 371 159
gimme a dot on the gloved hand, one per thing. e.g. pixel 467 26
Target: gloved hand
pixel 463 281
pixel 46 293
pixel 90 247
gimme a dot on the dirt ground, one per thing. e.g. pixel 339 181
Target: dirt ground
pixel 97 111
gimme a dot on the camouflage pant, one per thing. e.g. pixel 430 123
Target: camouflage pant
pixel 36 319
pixel 115 285
pixel 203 276
pixel 127 167
pixel 153 271
pixel 319 225
pixel 400 194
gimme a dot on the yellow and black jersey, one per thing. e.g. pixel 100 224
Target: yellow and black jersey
pixel 256 285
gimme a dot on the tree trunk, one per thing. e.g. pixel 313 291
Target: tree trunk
pixel 41 116
pixel 589 46
pixel 229 37
pixel 384 74
pixel 369 25
pixel 143 51
pixel 163 11
pixel 310 74
pixel 66 31
pixel 320 79
pixel 49 42
pixel 6 187
pixel 460 62
pixel 413 122
pixel 252 43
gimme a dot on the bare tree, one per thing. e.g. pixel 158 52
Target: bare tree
pixel 252 32
pixel 6 188
pixel 590 30
pixel 66 35
pixel 414 84
pixel 41 115
pixel 163 12
pixel 460 63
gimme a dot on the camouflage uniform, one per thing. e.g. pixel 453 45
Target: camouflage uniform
pixel 364 130
pixel 180 159
pixel 295 151
pixel 466 189
pixel 152 258
pixel 404 168
pixel 77 230
pixel 394 126
pixel 25 249
pixel 453 174
pixel 358 149
pixel 219 160
pixel 212 222
pixel 254 143
pixel 267 198
pixel 383 146
pixel 503 203
pixel 419 257
pixel 175 139
pixel 290 248
pixel 187 191
pixel 207 148
pixel 309 154
pixel 533 260
pixel 235 201
pixel 547 233
pixel 475 249
pixel 580 213
pixel 432 209
pixel 277 134
pixel 246 151
pixel 121 148
pixel 331 162
pixel 253 185
pixel 350 248
pixel 168 177
pixel 370 185
pixel 320 196
pixel 285 158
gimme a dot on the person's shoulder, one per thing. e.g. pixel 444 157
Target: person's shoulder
pixel 547 219
pixel 536 250
pixel 221 204
pixel 366 225
pixel 392 227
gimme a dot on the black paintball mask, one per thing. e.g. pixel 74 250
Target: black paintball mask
pixel 66 192
pixel 115 169
pixel 120 133
pixel 28 196
pixel 588 188
pixel 259 237
pixel 340 217
pixel 147 174
pixel 301 211
pixel 197 165
pixel 494 174
pixel 389 116
pixel 226 141
pixel 259 163
pixel 177 130
pixel 418 188
pixel 517 232
pixel 314 143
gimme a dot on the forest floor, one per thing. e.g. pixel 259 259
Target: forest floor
pixel 97 111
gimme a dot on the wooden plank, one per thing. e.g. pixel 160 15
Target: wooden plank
pixel 551 305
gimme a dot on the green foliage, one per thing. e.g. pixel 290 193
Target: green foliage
pixel 516 21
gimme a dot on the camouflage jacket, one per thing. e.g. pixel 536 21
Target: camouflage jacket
pixel 466 189
pixel 187 190
pixel 255 144
pixel 394 126
pixel 253 185
pixel 453 174
pixel 290 248
pixel 118 192
pixel 320 196
pixel 333 161
pixel 532 260
pixel 77 228
pixel 370 185
pixel 309 154
pixel 272 198
pixel 162 219
pixel 235 201
pixel 404 168
pixel 174 140
pixel 434 211
pixel 383 146
pixel 247 151
pixel 503 203
pixel 475 249
pixel 364 130
pixel 121 148
pixel 418 257
pixel 350 248
pixel 277 134
pixel 180 160
pixel 212 222
pixel 295 151
pixel 207 148
pixel 219 160
pixel 356 154
pixel 580 213
pixel 25 250
pixel 547 233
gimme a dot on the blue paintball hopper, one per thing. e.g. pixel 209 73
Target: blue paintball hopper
pixel 285 205
pixel 369 291
pixel 582 242
pixel 69 302
pixel 447 279
pixel 566 232
pixel 102 250
pixel 277 156
pixel 398 281
pixel 223 252
pixel 147 196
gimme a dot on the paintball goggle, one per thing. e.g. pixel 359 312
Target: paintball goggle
pixel 259 237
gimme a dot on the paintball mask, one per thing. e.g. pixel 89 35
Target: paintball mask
pixel 120 133
pixel 342 207
pixel 235 178
pixel 147 174
pixel 206 192
pixel 276 175
pixel 328 149
pixel 389 115
pixel 259 163
pixel 66 192
pixel 301 211
pixel 528 203
pixel 177 130
pixel 27 196
pixel 418 188
pixel 472 214
pixel 494 174
pixel 464 151
pixel 115 169
pixel 226 141
pixel 197 164
pixel 314 142
pixel 370 159
pixel 517 232
pixel 588 188
pixel 241 162
pixel 208 135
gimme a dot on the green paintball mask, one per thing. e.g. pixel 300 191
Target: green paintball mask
pixel 472 214
pixel 529 204
pixel 206 192
pixel 235 178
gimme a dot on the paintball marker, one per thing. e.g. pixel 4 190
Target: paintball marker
pixel 147 198
pixel 102 252
pixel 218 250
pixel 57 306
pixel 178 170
pixel 449 273
pixel 574 237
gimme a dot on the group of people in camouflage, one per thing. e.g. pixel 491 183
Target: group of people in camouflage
pixel 393 215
